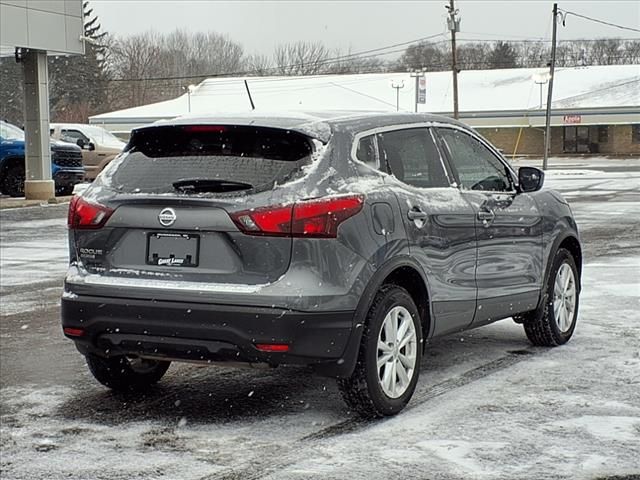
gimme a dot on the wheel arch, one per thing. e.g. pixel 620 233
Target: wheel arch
pixel 571 243
pixel 408 277
pixel 402 271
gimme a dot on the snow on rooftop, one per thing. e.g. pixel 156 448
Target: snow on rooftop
pixel 610 86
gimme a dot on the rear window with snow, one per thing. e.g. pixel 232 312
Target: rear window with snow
pixel 210 159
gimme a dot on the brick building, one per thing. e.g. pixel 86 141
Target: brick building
pixel 595 110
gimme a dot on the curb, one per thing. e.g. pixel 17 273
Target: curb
pixel 6 203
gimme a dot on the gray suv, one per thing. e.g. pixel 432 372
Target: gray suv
pixel 339 242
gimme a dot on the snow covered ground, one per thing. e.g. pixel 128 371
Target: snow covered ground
pixel 488 406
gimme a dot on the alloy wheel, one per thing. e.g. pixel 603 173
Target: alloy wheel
pixel 564 297
pixel 396 352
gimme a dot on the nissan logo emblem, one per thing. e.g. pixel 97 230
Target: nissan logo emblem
pixel 167 217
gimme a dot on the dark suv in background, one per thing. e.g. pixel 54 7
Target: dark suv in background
pixel 343 242
pixel 66 163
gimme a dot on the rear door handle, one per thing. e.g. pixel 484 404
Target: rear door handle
pixel 417 214
pixel 486 217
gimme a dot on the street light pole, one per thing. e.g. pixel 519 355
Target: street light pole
pixel 397 86
pixel 190 89
pixel 547 130
pixel 541 79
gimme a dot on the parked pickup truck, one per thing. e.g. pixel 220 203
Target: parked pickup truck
pixel 99 146
pixel 66 163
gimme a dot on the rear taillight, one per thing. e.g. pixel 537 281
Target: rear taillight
pixel 84 214
pixel 318 218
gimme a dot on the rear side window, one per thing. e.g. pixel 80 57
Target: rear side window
pixel 412 156
pixel 210 158
pixel 366 151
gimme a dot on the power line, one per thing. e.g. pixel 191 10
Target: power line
pixel 567 12
pixel 353 56
pixel 531 40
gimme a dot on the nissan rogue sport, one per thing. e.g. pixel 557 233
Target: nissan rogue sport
pixel 339 242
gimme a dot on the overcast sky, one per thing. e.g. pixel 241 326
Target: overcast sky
pixel 362 25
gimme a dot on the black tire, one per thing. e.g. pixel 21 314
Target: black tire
pixel 13 183
pixel 541 325
pixel 362 391
pixel 122 374
pixel 64 191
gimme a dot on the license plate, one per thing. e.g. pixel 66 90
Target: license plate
pixel 173 249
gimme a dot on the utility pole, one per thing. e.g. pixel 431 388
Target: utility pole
pixel 552 66
pixel 454 26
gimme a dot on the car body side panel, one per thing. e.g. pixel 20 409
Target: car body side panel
pixel 509 269
pixel 445 246
pixel 557 225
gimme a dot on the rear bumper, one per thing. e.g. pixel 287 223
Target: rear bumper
pixel 188 331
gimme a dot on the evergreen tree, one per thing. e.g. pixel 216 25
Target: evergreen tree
pixel 503 55
pixel 11 91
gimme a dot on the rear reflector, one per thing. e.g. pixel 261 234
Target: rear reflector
pixel 73 332
pixel 87 215
pixel 272 347
pixel 319 218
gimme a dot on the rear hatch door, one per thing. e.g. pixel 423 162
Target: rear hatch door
pixel 168 201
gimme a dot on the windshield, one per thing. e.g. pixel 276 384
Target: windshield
pixel 209 158
pixel 102 136
pixel 10 132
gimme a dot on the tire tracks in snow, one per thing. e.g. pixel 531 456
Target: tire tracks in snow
pixel 264 466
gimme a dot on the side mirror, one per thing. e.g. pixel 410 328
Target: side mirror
pixel 90 146
pixel 80 143
pixel 530 179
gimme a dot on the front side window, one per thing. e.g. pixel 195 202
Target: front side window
pixel 478 168
pixel 412 157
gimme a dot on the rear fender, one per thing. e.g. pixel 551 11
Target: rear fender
pixel 346 365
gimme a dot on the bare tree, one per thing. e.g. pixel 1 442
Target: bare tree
pixel 348 63
pixel 423 55
pixel 606 51
pixel 632 51
pixel 134 60
pixel 472 56
pixel 259 65
pixel 300 58
pixel 533 54
pixel 151 67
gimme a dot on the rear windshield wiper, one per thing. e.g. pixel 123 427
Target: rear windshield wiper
pixel 198 185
